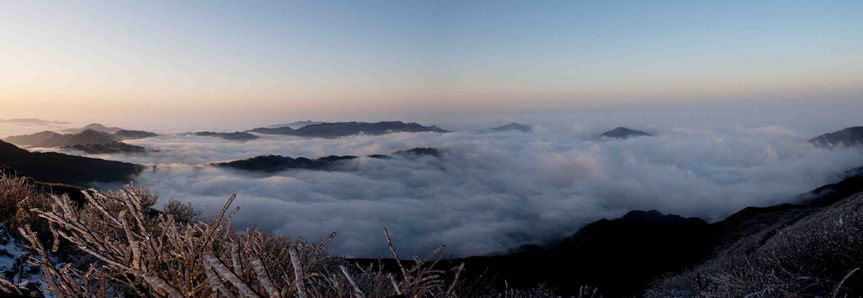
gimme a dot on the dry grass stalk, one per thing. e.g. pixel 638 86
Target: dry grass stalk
pixel 135 250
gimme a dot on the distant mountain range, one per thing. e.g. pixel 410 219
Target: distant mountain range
pixel 91 134
pixel 341 129
pixel 851 136
pixel 112 147
pixel 278 163
pixel 94 126
pixel 232 136
pixel 511 127
pixel 31 121
pixel 624 133
pixel 67 169
pixel 50 139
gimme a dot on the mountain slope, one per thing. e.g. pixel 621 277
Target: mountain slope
pixel 232 136
pixel 107 148
pixel 851 136
pixel 48 139
pixel 278 163
pixel 67 169
pixel 32 139
pixel 621 256
pixel 512 126
pixel 93 126
pixel 86 137
pixel 296 125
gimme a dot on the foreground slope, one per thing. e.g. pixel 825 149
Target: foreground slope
pixel 622 256
pixel 61 168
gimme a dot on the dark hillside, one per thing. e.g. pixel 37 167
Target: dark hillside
pixel 67 169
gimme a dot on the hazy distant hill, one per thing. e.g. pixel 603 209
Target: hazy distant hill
pixel 233 136
pixel 31 121
pixel 88 136
pixel 283 130
pixel 296 125
pixel 107 148
pixel 624 133
pixel 61 168
pixel 340 129
pixel 85 137
pixel 418 152
pixel 50 139
pixel 94 126
pixel 134 134
pixel 512 126
pixel 851 136
pixel 32 139
pixel 277 163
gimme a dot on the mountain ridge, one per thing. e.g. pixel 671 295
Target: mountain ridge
pixel 342 129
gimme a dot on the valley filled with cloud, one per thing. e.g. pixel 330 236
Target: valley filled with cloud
pixel 488 192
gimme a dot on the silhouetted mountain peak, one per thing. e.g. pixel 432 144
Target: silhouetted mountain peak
pixel 624 133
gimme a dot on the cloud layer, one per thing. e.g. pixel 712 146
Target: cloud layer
pixel 490 192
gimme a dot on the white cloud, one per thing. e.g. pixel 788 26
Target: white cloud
pixel 490 192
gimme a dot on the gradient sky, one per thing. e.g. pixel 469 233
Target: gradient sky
pixel 267 61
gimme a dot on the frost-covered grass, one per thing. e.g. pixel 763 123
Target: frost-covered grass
pixel 819 256
pixel 123 246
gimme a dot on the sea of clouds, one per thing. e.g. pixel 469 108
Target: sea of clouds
pixel 489 192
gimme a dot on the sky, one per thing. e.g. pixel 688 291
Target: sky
pixel 232 64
